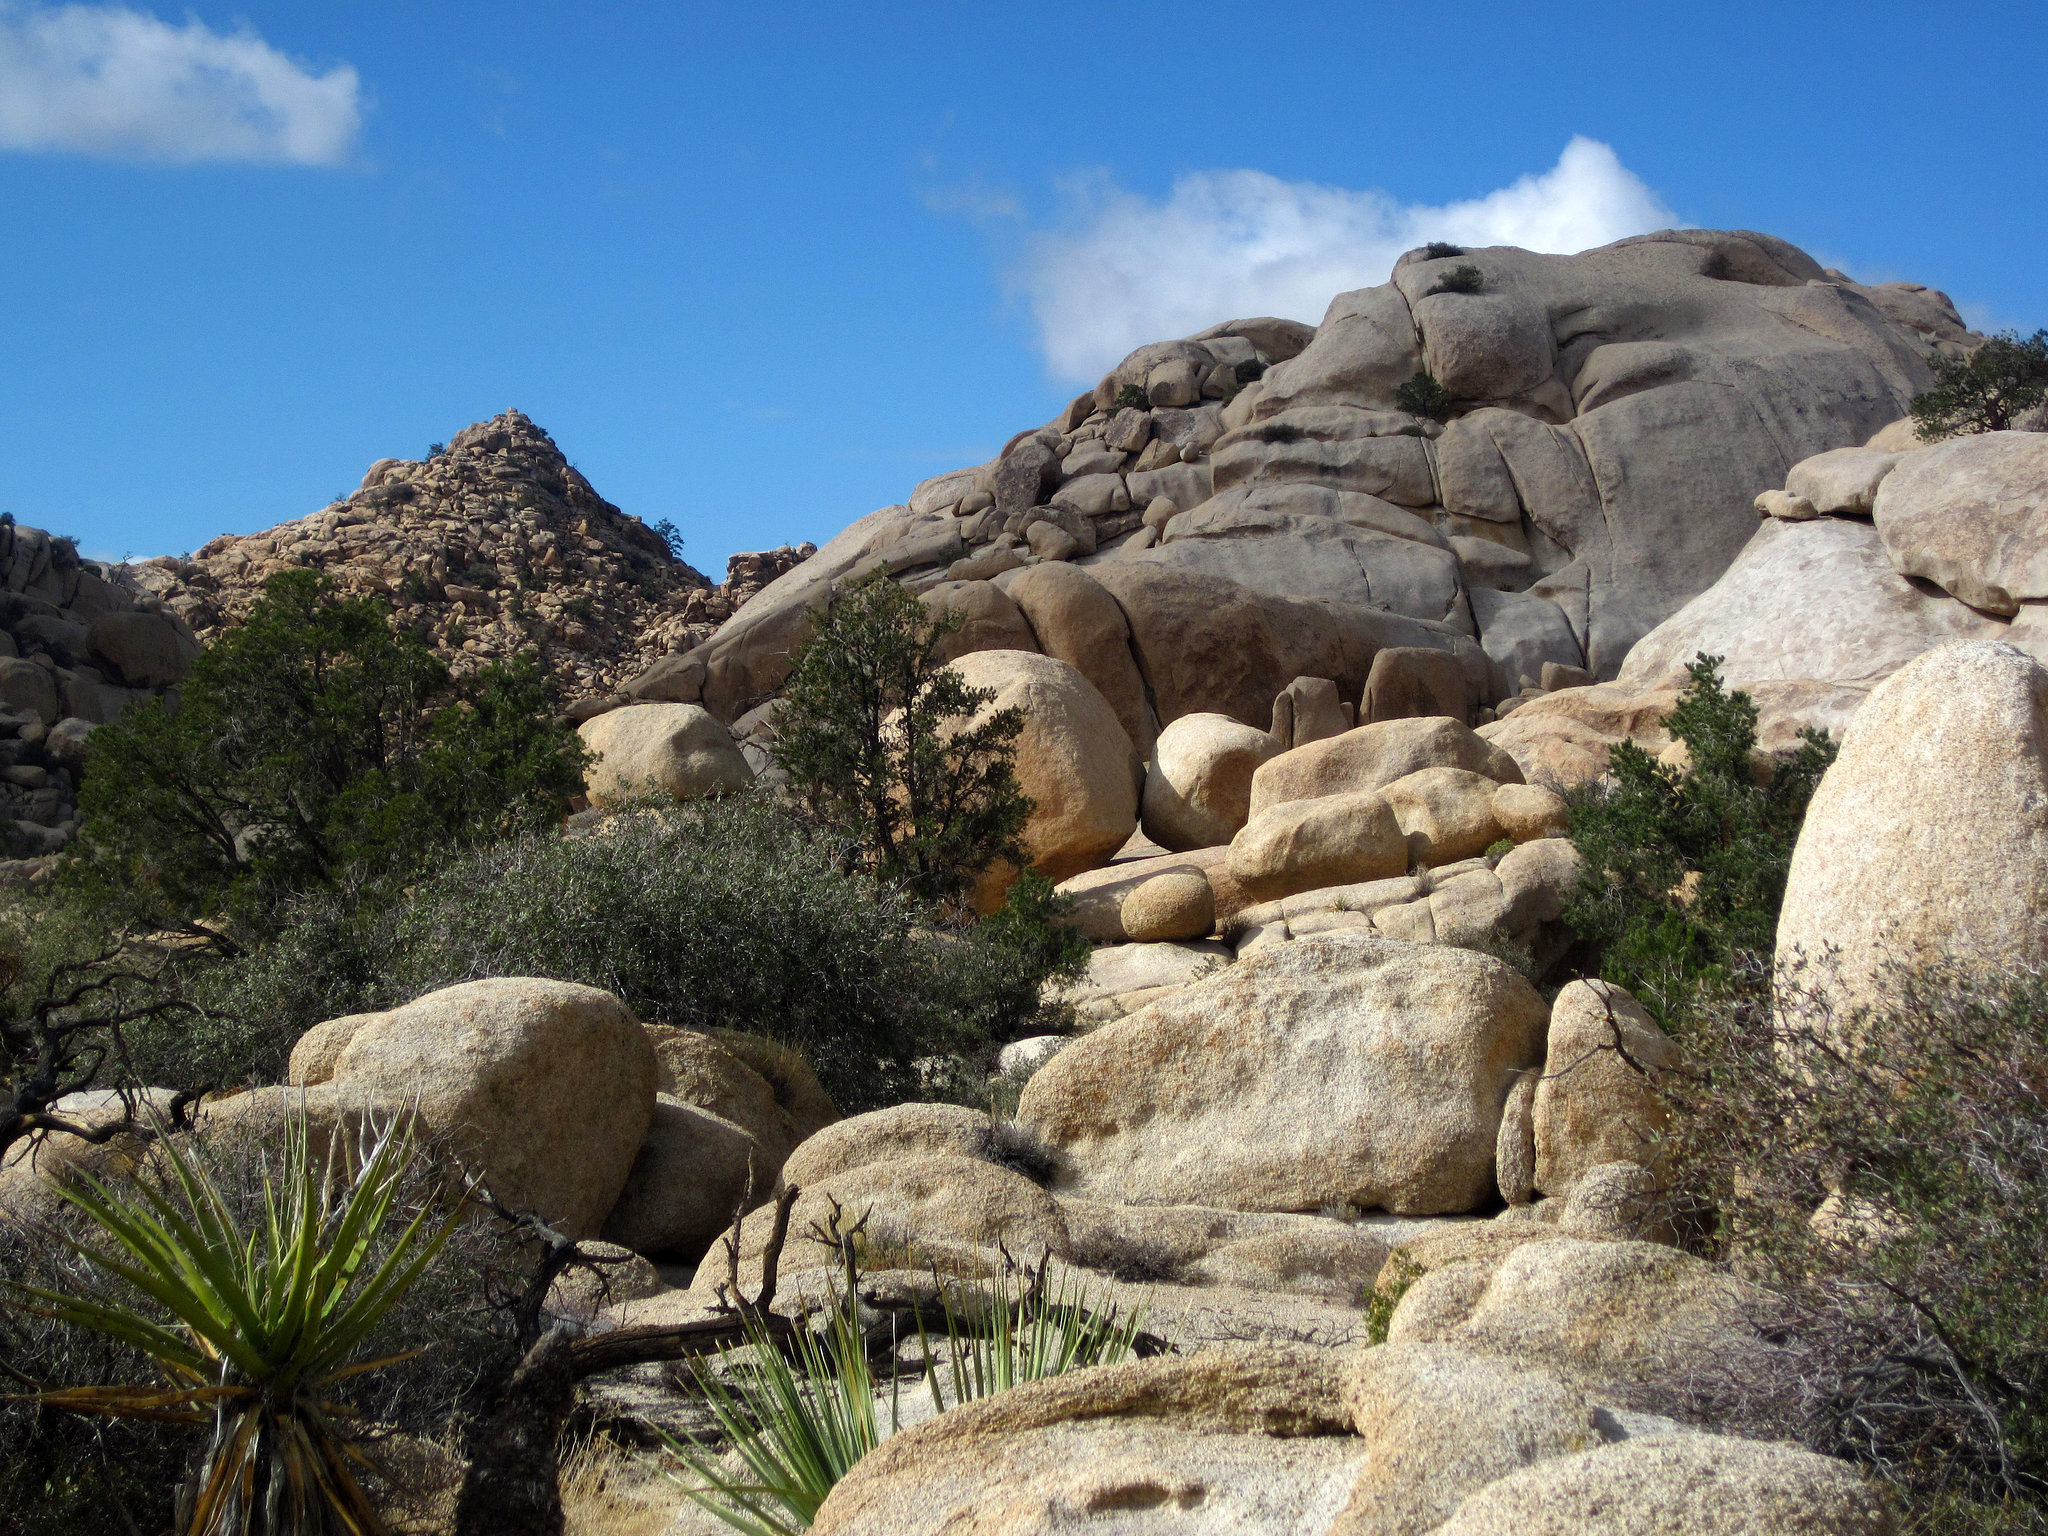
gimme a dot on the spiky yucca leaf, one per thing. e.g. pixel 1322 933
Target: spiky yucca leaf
pixel 264 1317
pixel 799 1426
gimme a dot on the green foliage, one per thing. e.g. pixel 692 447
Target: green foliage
pixel 1132 397
pixel 1986 391
pixel 1915 1322
pixel 1034 920
pixel 313 748
pixel 1685 866
pixel 798 1426
pixel 1251 368
pixel 1385 1297
pixel 672 536
pixel 253 1326
pixel 1437 250
pixel 1423 396
pixel 1462 279
pixel 727 915
pixel 873 732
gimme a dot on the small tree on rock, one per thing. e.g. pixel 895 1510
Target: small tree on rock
pixel 1988 390
pixel 876 735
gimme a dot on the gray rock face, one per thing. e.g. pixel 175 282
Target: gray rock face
pixel 1971 515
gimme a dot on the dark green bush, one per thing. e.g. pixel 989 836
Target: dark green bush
pixel 871 732
pixel 1437 250
pixel 733 915
pixel 1423 396
pixel 1459 280
pixel 1133 397
pixel 1986 391
pixel 1685 866
pixel 314 748
pixel 1251 368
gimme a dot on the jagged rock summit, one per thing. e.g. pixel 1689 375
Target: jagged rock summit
pixel 493 545
pixel 1264 500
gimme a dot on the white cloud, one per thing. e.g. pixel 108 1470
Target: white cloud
pixel 1229 244
pixel 108 81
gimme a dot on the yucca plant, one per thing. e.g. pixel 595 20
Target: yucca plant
pixel 797 1425
pixel 253 1322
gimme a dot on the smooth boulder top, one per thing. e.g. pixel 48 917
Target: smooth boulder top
pixel 1373 756
pixel 678 750
pixel 1073 759
pixel 1198 786
pixel 1338 1069
pixel 1927 839
pixel 1971 515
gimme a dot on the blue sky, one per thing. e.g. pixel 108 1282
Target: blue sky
pixel 760 269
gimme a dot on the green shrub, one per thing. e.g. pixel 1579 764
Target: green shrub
pixel 315 747
pixel 1251 368
pixel 1684 867
pixel 1463 279
pixel 871 732
pixel 733 915
pixel 1423 396
pixel 1437 250
pixel 1133 397
pixel 1986 391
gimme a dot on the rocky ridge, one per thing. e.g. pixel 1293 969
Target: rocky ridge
pixel 491 546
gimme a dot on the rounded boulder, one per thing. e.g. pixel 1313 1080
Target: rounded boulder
pixel 1198 787
pixel 679 750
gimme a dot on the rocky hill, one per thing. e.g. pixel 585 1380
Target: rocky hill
pixel 492 545
pixel 1264 500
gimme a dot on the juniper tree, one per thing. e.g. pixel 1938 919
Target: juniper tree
pixel 1986 391
pixel 880 737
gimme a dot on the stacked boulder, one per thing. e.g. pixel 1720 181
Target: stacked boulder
pixel 79 643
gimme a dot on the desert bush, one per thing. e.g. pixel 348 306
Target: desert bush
pixel 873 733
pixel 1883 1174
pixel 1988 390
pixel 1685 866
pixel 1423 396
pixel 1461 279
pixel 1133 397
pixel 1437 250
pixel 1248 370
pixel 732 915
pixel 315 747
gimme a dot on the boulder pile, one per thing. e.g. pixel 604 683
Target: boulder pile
pixel 79 642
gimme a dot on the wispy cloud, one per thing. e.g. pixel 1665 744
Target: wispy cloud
pixel 1125 270
pixel 108 81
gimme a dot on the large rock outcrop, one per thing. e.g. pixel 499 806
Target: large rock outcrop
pixel 1261 508
pixel 80 642
pixel 1339 1069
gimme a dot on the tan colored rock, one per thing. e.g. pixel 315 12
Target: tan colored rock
pixel 705 1071
pixel 1248 1439
pixel 1195 1245
pixel 1309 709
pixel 1299 845
pixel 1598 1100
pixel 1073 759
pixel 1409 682
pixel 1603 1313
pixel 1703 1485
pixel 1175 905
pixel 1441 1425
pixel 1514 1150
pixel 1375 755
pixel 1198 785
pixel 989 620
pixel 1928 838
pixel 544 1087
pixel 1340 1068
pixel 886 1135
pixel 679 750
pixel 1445 813
pixel 148 650
pixel 1971 516
pixel 1785 507
pixel 319 1048
pixel 805 1106
pixel 1098 895
pixel 1843 480
pixel 945 1210
pixel 691 1175
pixel 1529 811
pixel 1077 621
